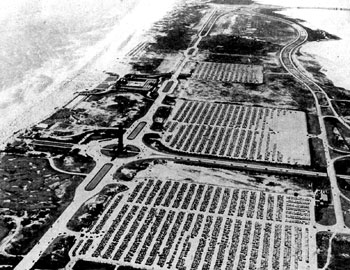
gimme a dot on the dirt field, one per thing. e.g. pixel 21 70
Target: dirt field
pixel 229 178
pixel 280 91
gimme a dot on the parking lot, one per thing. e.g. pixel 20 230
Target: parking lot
pixel 184 225
pixel 238 132
pixel 226 72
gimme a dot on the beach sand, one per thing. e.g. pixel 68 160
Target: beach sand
pixel 32 107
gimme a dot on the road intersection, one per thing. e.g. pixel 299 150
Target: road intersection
pixel 146 152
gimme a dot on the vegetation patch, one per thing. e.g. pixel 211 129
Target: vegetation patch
pixel 147 65
pixel 254 26
pixel 90 211
pixel 35 194
pixel 313 124
pixel 345 205
pixel 56 256
pixel 12 261
pixel 322 241
pixel 73 162
pixel 6 225
pixel 87 265
pixel 177 31
pixel 234 44
pixel 283 92
pixel 318 157
pixel 342 166
pixel 343 108
pixel 338 135
pixel 340 252
pixel 325 215
pixel 313 35
pixel 102 111
pixel 333 91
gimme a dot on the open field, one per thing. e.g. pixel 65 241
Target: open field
pixel 99 110
pixel 277 90
pixel 223 72
pixel 258 181
pixel 182 224
pixel 255 27
pixel 238 132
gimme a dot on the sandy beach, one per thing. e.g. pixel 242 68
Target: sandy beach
pixel 32 105
pixel 51 85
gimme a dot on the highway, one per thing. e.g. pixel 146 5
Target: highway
pixel 286 58
pixel 93 149
pixel 103 163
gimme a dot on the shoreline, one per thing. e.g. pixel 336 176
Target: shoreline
pixel 332 55
pixel 90 69
pixel 333 70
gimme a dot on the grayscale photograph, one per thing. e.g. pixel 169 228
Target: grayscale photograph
pixel 175 134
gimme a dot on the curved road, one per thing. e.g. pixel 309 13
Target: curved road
pixel 286 58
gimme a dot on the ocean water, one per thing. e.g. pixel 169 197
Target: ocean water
pixel 333 55
pixel 40 37
pixel 46 44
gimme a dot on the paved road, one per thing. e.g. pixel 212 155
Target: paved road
pixel 53 166
pixel 286 58
pixel 93 148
